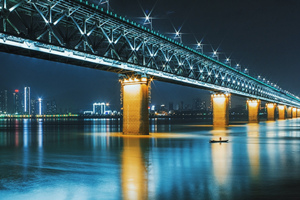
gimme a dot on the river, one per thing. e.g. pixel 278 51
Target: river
pixel 90 159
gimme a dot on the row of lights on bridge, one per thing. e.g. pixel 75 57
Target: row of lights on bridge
pixel 215 53
pixel 199 47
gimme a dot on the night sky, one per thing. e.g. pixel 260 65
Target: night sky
pixel 261 35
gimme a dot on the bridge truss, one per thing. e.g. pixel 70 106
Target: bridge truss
pixel 77 32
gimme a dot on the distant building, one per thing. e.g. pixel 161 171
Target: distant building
pixel 99 108
pixel 196 104
pixel 33 107
pixel 3 101
pixel 153 108
pixel 88 112
pixel 181 105
pixel 162 107
pixel 176 107
pixel 16 102
pixel 171 107
pixel 51 107
pixel 40 106
pixel 203 105
pixel 27 100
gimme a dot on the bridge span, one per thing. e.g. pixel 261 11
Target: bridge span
pixel 80 33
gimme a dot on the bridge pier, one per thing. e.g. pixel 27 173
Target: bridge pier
pixel 289 112
pixel 135 96
pixel 298 112
pixel 294 112
pixel 271 111
pixel 220 103
pixel 253 110
pixel 281 111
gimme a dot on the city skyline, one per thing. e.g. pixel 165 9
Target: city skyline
pixel 15 104
pixel 20 101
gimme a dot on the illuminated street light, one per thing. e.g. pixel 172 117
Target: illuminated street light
pixel 148 20
pixel 199 46
pixel 228 61
pixel 178 35
pixel 215 55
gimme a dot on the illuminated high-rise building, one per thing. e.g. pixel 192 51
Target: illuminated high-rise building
pixel 171 106
pixel 16 97
pixel 3 101
pixel 99 108
pixel 27 100
pixel 50 107
pixel 33 106
pixel 40 106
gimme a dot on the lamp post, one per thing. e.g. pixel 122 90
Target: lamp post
pixel 228 61
pixel 215 55
pixel 178 35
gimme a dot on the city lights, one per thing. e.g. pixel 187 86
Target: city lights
pixel 27 100
pixel 40 106
pixel 215 54
pixel 99 108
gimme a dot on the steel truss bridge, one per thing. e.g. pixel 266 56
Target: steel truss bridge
pixel 80 33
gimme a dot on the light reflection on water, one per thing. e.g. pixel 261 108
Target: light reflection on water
pixel 91 159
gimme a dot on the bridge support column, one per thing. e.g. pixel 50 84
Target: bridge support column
pixel 135 96
pixel 253 110
pixel 281 111
pixel 298 112
pixel 220 109
pixel 294 112
pixel 289 112
pixel 271 111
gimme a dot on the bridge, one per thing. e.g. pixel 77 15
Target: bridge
pixel 80 33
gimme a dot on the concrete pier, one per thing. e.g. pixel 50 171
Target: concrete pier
pixel 271 111
pixel 294 112
pixel 253 110
pixel 281 111
pixel 289 112
pixel 298 112
pixel 220 109
pixel 135 97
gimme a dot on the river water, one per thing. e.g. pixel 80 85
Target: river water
pixel 91 159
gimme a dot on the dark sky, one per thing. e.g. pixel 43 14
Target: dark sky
pixel 262 35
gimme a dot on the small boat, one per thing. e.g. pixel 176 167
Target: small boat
pixel 218 141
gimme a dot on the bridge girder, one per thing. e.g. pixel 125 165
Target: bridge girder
pixel 88 32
